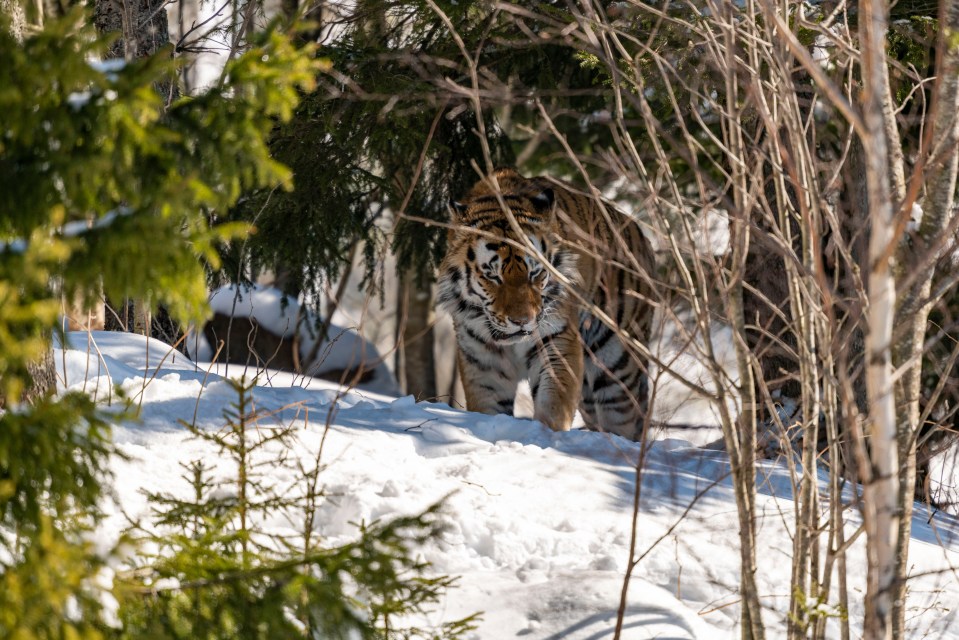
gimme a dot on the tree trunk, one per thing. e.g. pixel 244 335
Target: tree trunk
pixel 739 433
pixel 880 490
pixel 415 366
pixel 144 28
pixel 15 14
pixel 938 213
pixel 741 445
pixel 43 377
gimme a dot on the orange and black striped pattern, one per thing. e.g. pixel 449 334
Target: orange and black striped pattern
pixel 525 261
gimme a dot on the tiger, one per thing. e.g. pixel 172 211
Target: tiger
pixel 519 295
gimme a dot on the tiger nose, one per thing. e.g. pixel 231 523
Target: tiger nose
pixel 521 319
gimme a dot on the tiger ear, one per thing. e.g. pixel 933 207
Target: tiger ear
pixel 459 211
pixel 544 200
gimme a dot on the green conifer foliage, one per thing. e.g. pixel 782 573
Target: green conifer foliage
pixel 103 190
pixel 355 143
pixel 394 107
pixel 217 574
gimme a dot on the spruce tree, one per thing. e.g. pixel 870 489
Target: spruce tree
pixel 219 574
pixel 99 186
pixel 387 127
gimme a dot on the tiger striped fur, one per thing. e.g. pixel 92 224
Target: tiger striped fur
pixel 516 320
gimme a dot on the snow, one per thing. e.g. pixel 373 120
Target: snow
pixel 539 522
pixel 14 246
pixel 79 99
pixel 344 349
pixel 108 66
pixel 75 228
pixel 266 304
pixel 70 229
pixel 915 218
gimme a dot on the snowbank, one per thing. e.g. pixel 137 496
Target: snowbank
pixel 539 521
pixel 342 350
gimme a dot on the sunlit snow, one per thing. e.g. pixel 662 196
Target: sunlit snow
pixel 539 522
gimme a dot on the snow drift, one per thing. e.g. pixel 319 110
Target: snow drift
pixel 540 522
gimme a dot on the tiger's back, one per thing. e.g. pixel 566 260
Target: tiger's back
pixel 523 293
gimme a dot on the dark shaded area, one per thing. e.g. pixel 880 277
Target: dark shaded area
pixel 247 343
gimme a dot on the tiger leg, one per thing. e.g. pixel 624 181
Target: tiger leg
pixel 489 378
pixel 615 386
pixel 555 365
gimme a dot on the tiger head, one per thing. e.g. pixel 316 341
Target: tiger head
pixel 496 278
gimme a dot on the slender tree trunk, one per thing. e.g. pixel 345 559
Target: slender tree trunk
pixel 141 317
pixel 741 440
pixel 915 305
pixel 16 15
pixel 880 490
pixel 144 30
pixel 416 368
pixel 741 447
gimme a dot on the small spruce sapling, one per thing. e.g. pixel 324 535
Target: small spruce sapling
pixel 218 573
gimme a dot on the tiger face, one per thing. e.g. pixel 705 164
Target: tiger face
pixel 510 286
pixel 497 281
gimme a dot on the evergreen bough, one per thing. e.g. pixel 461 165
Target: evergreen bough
pixel 103 191
pixel 217 574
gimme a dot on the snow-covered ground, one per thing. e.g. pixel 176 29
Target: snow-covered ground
pixel 539 521
pixel 343 349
